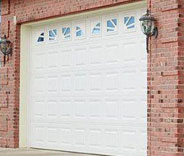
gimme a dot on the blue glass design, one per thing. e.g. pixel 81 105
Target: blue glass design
pixel 79 32
pixel 112 25
pixel 66 32
pixel 52 34
pixel 41 38
pixel 115 21
pixel 129 22
pixel 96 29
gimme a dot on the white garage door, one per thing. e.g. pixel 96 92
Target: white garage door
pixel 88 81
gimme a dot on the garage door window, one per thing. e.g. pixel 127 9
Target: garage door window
pixel 96 29
pixel 66 32
pixel 112 25
pixel 52 34
pixel 80 30
pixel 41 37
pixel 129 22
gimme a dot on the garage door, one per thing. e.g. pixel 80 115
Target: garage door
pixel 88 80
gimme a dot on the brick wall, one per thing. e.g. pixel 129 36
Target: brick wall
pixel 165 68
pixel 164 114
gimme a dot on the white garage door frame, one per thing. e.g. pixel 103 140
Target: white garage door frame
pixel 24 126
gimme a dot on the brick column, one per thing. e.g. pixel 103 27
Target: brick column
pixel 181 78
pixel 9 81
pixel 164 117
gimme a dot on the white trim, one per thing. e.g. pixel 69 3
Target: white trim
pixel 24 86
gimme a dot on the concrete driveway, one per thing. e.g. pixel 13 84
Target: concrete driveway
pixel 36 152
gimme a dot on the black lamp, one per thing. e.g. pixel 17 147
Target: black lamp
pixel 148 26
pixel 5 47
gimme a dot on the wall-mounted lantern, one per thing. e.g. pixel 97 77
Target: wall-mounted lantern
pixel 5 47
pixel 148 26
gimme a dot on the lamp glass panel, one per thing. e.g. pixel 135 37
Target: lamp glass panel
pixel 147 27
pixel 4 47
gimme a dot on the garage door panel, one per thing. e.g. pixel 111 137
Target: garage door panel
pixel 66 58
pixel 88 82
pixel 96 110
pixel 132 143
pixel 95 82
pixel 80 108
pixel 80 82
pixel 66 137
pixel 111 134
pixel 39 61
pixel 42 85
pixel 65 83
pixel 80 140
pixel 52 109
pixel 39 109
pixel 52 84
pixel 52 135
pixel 64 108
pixel 38 130
pixel 128 81
pixel 111 81
pixel 93 139
pixel 111 54
pixel 95 54
pixel 80 56
pixel 111 109
pixel 52 62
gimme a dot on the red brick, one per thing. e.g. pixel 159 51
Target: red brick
pixel 3 122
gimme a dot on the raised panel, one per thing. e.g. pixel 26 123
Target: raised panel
pixel 80 57
pixel 128 109
pixel 111 134
pixel 52 135
pixel 66 58
pixel 65 108
pixel 80 138
pixel 52 84
pixel 80 108
pixel 38 134
pixel 111 81
pixel 112 53
pixel 66 137
pixel 94 135
pixel 80 82
pixel 96 82
pixel 52 109
pixel 65 83
pixel 39 107
pixel 39 61
pixel 128 141
pixel 111 109
pixel 42 84
pixel 96 109
pixel 53 59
